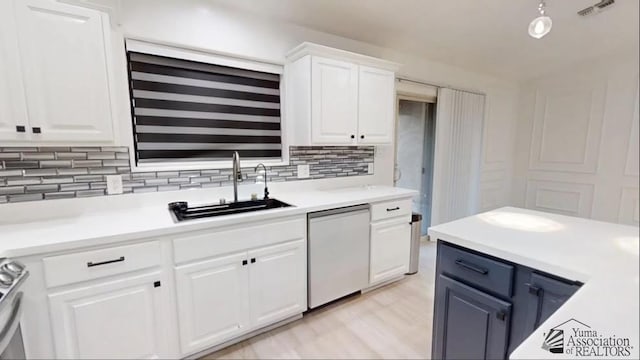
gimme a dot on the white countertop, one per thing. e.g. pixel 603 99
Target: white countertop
pixel 604 256
pixel 77 223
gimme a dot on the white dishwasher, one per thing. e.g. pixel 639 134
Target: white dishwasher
pixel 338 253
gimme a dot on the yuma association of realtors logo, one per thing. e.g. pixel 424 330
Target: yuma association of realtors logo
pixel 573 337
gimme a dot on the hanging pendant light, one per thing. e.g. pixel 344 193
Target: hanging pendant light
pixel 541 25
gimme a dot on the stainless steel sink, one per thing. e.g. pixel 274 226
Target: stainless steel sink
pixel 182 211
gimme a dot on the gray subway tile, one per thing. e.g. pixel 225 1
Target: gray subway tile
pixel 179 181
pixel 98 185
pixel 85 149
pixel 3 199
pixel 86 163
pixel 52 148
pixel 103 171
pixel 25 197
pixel 144 175
pixel 59 195
pixel 6 173
pixel 115 162
pixel 57 180
pixel 123 170
pixel 23 181
pixel 8 190
pixel 168 187
pixel 88 193
pixel 21 165
pixel 22 148
pixel 41 188
pixel 167 174
pixel 122 149
pixel 74 187
pixel 55 164
pixel 86 178
pixel 40 172
pixel 9 156
pixel 145 189
pixel 38 156
pixel 71 155
pixel 202 179
pixel 122 156
pixel 151 182
pixel 101 155
pixel 73 171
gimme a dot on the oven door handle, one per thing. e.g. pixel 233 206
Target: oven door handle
pixel 15 314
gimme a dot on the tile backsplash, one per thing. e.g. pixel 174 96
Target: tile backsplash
pixel 43 173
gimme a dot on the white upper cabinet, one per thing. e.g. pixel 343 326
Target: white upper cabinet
pixel 334 106
pixel 54 74
pixel 13 110
pixel 334 97
pixel 376 105
pixel 65 72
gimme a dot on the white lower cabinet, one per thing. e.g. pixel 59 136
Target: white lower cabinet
pixel 277 282
pixel 125 318
pixel 390 247
pixel 212 301
pixel 226 296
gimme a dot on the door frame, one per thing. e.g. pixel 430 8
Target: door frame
pixel 422 99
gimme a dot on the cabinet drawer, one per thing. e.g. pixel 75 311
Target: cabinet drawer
pixel 489 274
pixel 214 242
pixel 391 209
pixel 82 266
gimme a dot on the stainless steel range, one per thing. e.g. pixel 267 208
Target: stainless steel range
pixel 12 277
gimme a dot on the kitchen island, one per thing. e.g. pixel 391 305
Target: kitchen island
pixel 602 257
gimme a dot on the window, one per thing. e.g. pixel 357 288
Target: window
pixel 190 111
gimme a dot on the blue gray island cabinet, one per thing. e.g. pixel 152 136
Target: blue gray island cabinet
pixel 485 306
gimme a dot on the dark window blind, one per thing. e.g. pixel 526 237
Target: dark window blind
pixel 191 111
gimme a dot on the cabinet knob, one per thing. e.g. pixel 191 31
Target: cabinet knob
pixel 36 130
pixel 353 136
pixel 361 136
pixel 534 290
pixel 253 260
pixel 20 128
pixel 501 315
pixel 244 262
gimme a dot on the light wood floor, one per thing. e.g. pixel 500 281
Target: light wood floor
pixel 391 322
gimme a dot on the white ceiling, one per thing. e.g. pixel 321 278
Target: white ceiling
pixel 482 35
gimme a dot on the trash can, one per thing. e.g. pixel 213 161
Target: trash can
pixel 416 230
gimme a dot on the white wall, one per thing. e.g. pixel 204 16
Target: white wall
pixel 201 24
pixel 577 150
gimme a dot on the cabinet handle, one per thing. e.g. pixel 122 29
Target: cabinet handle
pixel 92 264
pixel 244 262
pixel 353 136
pixel 20 128
pixel 253 260
pixel 157 284
pixel 534 290
pixel 472 267
pixel 36 130
pixel 393 209
pixel 501 315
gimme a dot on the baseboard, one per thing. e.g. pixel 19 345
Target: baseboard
pixel 246 336
pixel 384 283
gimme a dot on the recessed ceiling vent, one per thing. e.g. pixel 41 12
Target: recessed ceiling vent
pixel 596 8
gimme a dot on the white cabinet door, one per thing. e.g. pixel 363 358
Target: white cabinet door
pixel 277 282
pixel 125 318
pixel 213 303
pixel 13 110
pixel 376 99
pixel 65 71
pixel 390 246
pixel 334 101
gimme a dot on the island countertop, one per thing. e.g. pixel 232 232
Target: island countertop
pixel 604 256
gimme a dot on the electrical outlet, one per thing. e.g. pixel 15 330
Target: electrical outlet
pixel 303 171
pixel 114 184
pixel 370 168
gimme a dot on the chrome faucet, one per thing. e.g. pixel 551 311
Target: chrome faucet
pixel 237 175
pixel 266 189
